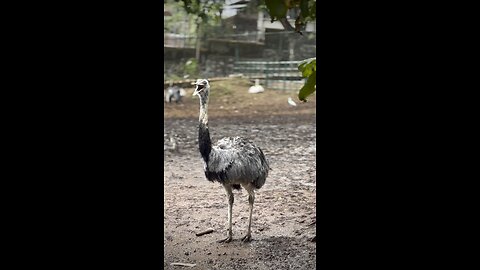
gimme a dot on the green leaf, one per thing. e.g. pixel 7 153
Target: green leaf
pixel 304 8
pixel 276 8
pixel 313 11
pixel 308 88
pixel 308 66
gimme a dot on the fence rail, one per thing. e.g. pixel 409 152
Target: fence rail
pixel 189 83
pixel 178 41
pixel 280 75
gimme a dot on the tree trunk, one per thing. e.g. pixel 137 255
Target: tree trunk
pixel 198 45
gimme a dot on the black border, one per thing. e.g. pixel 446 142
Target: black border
pixel 85 125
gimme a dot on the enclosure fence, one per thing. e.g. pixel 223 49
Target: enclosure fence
pixel 278 75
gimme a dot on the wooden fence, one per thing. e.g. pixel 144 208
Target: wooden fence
pixel 189 83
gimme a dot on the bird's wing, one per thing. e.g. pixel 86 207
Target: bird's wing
pixel 223 154
pixel 233 152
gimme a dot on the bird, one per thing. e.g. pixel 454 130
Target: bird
pixel 291 102
pixel 257 88
pixel 234 162
pixel 173 146
pixel 174 93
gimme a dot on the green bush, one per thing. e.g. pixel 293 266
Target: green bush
pixel 191 67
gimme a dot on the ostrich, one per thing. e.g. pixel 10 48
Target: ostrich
pixel 234 162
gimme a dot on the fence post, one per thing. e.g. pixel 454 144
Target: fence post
pixel 236 52
pixel 267 70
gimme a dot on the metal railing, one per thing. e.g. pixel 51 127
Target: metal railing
pixel 280 75
pixel 178 41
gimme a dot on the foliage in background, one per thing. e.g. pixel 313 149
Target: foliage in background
pixel 207 10
pixel 191 68
pixel 278 11
pixel 189 15
pixel 183 70
pixel 204 10
pixel 308 68
pixel 178 22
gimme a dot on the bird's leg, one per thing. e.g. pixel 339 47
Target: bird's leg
pixel 230 206
pixel 251 199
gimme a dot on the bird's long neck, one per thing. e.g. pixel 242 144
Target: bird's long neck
pixel 204 141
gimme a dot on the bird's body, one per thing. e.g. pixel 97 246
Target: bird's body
pixel 291 102
pixel 173 94
pixel 233 161
pixel 257 88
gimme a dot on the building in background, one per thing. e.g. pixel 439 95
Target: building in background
pixel 245 34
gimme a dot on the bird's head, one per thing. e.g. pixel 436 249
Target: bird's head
pixel 202 88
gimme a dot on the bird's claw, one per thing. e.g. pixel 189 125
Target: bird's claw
pixel 247 238
pixel 226 240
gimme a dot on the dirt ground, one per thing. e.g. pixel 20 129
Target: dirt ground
pixel 284 217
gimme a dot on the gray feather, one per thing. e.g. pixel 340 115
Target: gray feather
pixel 240 161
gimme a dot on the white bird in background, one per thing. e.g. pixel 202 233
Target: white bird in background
pixel 257 88
pixel 183 92
pixel 173 94
pixel 291 102
pixel 173 144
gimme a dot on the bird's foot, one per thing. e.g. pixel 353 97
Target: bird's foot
pixel 247 238
pixel 226 240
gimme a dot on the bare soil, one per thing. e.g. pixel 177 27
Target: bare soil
pixel 284 217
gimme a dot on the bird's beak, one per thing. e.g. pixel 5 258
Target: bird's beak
pixel 198 90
